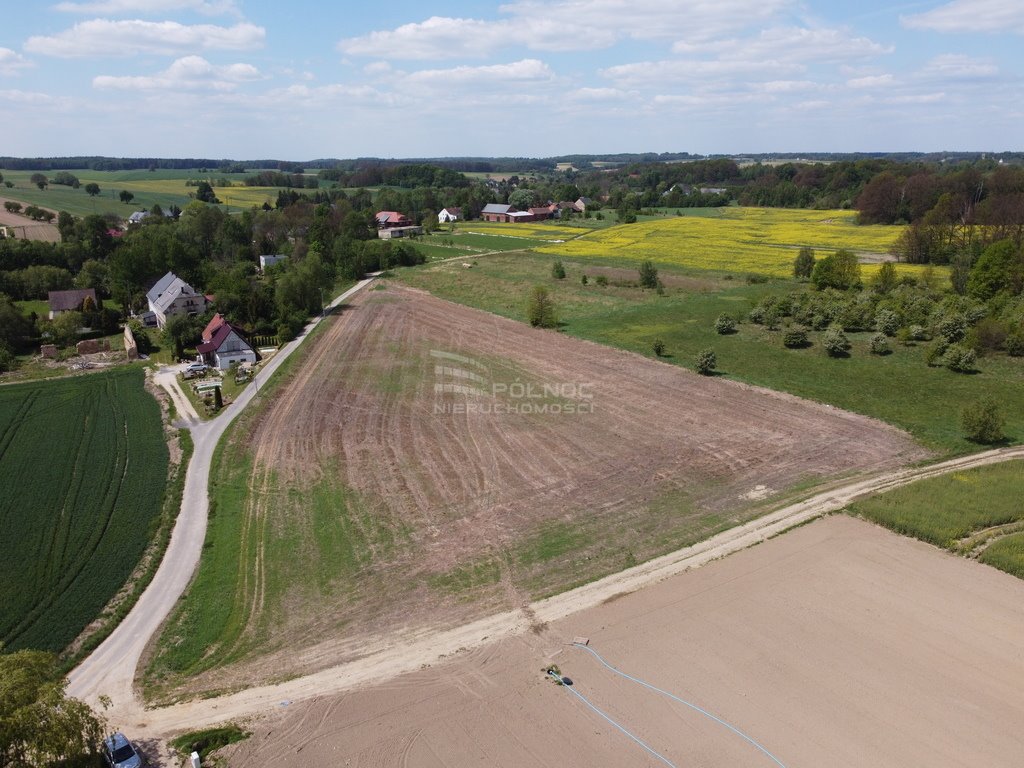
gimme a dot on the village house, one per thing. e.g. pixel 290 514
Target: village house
pixel 224 345
pixel 582 204
pixel 448 215
pixel 71 301
pixel 391 219
pixel 172 296
pixel 269 260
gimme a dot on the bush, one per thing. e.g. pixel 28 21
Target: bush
pixel 1015 344
pixel 880 344
pixel 649 275
pixel 725 324
pixel 540 309
pixel 887 321
pixel 960 358
pixel 601 280
pixel 804 264
pixel 953 328
pixel 706 361
pixel 757 315
pixel 794 338
pixel 7 360
pixel 918 333
pixel 933 355
pixel 583 279
pixel 835 342
pixel 658 346
pixel 558 270
pixel 983 422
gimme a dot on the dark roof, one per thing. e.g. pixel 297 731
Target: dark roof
pixel 211 327
pixel 63 301
pixel 497 208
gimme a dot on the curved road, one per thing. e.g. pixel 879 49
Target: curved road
pixel 110 669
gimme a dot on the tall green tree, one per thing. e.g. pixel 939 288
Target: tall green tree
pixel 804 263
pixel 39 724
pixel 540 308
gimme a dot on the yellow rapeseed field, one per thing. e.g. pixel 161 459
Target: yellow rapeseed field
pixel 739 240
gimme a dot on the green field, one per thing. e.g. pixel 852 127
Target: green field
pixel 898 388
pixel 83 467
pixel 163 187
pixel 977 512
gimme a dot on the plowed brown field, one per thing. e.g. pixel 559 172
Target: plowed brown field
pixel 485 463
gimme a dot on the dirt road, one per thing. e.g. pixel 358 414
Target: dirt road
pixel 110 669
pixel 167 377
pixel 412 653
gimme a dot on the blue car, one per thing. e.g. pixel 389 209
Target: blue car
pixel 121 753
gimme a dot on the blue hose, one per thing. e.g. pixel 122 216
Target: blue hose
pixel 692 706
pixel 631 735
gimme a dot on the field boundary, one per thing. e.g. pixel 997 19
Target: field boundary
pixel 387 660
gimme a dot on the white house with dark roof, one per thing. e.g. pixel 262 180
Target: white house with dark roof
pixel 269 260
pixel 172 296
pixel 449 214
pixel 226 345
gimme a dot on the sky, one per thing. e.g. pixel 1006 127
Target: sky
pixel 300 80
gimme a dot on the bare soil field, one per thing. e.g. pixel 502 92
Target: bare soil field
pixel 837 644
pixel 431 463
pixel 27 229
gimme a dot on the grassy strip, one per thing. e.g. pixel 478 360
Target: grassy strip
pixel 208 740
pixel 947 510
pixel 898 388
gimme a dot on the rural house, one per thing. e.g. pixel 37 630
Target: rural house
pixel 391 219
pixel 224 345
pixel 269 260
pixel 172 296
pixel 71 301
pixel 582 204
pixel 448 215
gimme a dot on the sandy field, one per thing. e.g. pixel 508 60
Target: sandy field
pixel 27 229
pixel 837 644
pixel 493 507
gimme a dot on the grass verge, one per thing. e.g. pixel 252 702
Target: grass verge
pixel 964 512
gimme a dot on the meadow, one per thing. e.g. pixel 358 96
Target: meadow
pixel 163 187
pixel 83 465
pixel 976 512
pixel 898 388
pixel 736 240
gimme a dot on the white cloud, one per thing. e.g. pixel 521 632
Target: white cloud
pixel 27 97
pixel 119 7
pixel 955 66
pixel 962 16
pixel 871 81
pixel 186 74
pixel 12 61
pixel 790 44
pixel 377 68
pixel 598 95
pixel 562 25
pixel 523 72
pixel 786 86
pixel 101 37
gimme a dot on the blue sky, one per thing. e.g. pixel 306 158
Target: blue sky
pixel 299 80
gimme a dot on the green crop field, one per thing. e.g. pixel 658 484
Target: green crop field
pixel 898 388
pixel 163 187
pixel 83 468
pixel 977 512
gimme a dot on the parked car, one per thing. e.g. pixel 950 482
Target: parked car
pixel 193 369
pixel 121 753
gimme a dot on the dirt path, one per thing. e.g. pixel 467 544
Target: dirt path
pixel 395 658
pixel 110 669
pixel 167 377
